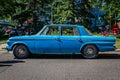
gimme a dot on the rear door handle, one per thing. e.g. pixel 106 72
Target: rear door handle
pixel 58 39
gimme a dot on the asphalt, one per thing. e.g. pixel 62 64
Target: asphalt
pixel 60 67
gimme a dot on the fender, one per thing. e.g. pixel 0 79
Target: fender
pixel 12 46
pixel 90 43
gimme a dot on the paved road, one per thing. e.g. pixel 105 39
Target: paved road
pixel 60 67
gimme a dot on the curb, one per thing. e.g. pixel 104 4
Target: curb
pixel 3 46
pixel 3 43
pixel 117 50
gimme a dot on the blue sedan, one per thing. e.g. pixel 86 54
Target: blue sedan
pixel 61 39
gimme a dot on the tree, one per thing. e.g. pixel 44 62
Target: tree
pixel 6 8
pixel 62 11
pixel 70 11
pixel 112 8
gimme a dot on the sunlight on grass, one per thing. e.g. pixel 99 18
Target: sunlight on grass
pixel 117 43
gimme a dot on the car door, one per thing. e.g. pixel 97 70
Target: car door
pixel 48 41
pixel 70 40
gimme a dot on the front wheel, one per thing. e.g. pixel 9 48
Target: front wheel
pixel 90 51
pixel 20 52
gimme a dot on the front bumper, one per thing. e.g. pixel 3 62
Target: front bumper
pixel 8 48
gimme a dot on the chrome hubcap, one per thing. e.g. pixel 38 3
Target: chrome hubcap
pixel 90 51
pixel 21 50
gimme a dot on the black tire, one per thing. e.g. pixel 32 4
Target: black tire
pixel 20 52
pixel 90 51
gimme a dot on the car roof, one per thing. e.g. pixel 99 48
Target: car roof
pixel 62 25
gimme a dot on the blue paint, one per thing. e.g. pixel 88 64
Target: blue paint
pixel 58 44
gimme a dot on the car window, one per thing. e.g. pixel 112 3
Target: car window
pixel 69 31
pixel 52 30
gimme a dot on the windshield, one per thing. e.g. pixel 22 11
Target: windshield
pixel 42 30
pixel 49 30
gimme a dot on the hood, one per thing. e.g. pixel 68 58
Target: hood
pixel 22 37
pixel 32 37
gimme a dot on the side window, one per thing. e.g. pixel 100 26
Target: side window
pixel 69 31
pixel 52 30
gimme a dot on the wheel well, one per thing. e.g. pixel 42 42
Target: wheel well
pixel 20 44
pixel 89 44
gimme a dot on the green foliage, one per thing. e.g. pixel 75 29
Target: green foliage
pixel 61 10
pixel 112 9
pixel 10 8
pixel 67 11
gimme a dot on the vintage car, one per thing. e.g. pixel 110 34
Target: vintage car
pixel 61 39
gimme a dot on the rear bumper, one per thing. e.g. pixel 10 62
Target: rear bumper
pixel 107 48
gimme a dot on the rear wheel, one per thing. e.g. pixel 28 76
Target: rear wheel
pixel 20 52
pixel 90 51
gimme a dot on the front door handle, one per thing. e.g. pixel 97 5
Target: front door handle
pixel 79 40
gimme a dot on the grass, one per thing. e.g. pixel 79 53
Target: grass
pixel 117 43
